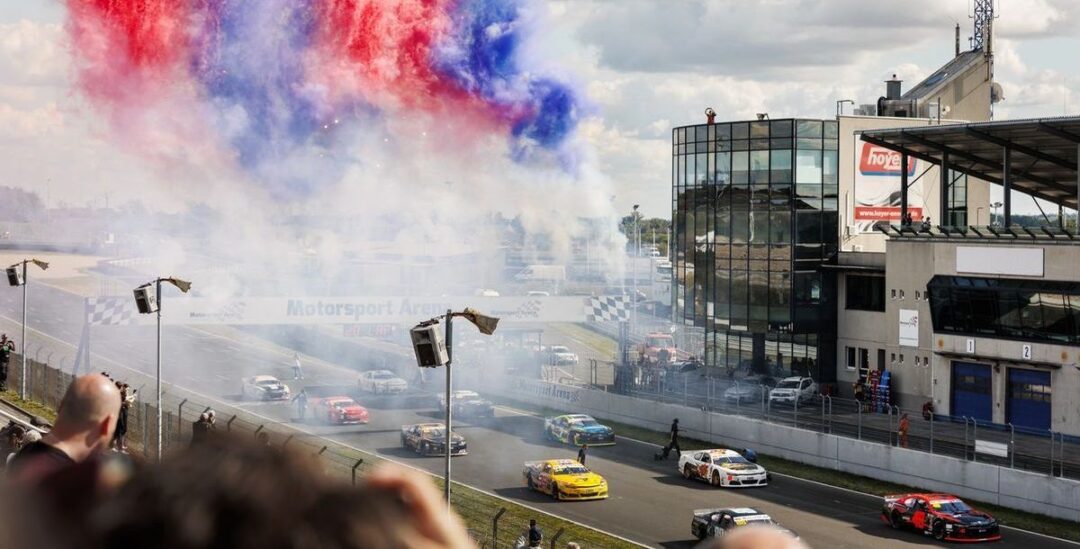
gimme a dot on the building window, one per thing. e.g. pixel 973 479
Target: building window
pixel 865 293
pixel 864 362
pixel 850 358
pixel 1027 310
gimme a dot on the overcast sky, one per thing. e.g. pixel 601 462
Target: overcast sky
pixel 646 66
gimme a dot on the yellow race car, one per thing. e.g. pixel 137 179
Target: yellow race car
pixel 564 479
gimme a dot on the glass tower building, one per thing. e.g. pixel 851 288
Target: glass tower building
pixel 754 210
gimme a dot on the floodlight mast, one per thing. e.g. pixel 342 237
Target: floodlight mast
pixel 17 274
pixel 183 286
pixel 486 325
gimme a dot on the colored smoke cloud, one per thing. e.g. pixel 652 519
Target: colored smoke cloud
pixel 281 88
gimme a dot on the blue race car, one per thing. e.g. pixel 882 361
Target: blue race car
pixel 578 429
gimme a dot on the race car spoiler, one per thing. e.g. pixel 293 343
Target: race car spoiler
pixel 893 498
pixel 702 512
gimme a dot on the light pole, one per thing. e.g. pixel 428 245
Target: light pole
pixel 147 303
pixel 995 207
pixel 840 106
pixel 17 277
pixel 637 256
pixel 430 353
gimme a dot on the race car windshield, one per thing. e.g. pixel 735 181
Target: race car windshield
pixel 342 403
pixel 587 422
pixel 267 383
pixel 787 385
pixel 730 459
pixel 382 375
pixel 571 470
pixel 951 507
pixel 658 342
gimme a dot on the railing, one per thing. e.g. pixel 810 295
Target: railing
pixel 1006 445
pixel 491 525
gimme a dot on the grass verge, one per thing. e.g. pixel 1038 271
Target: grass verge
pixel 1041 524
pixel 30 406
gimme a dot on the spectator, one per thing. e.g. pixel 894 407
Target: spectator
pixel 11 439
pixel 85 423
pixel 757 537
pixel 6 348
pixel 201 429
pixel 536 537
pixel 902 431
pixel 127 399
pixel 928 410
pixel 297 372
pixel 926 224
pixel 581 453
pixel 860 393
pixel 301 404
pixel 234 493
pixel 673 442
pixel 573 545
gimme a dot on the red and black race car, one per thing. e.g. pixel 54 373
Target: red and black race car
pixel 943 516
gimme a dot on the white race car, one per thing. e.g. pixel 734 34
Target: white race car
pixel 263 388
pixel 722 467
pixel 382 382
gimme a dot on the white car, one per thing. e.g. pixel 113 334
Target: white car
pixel 722 467
pixel 382 382
pixel 263 388
pixel 792 389
pixel 562 354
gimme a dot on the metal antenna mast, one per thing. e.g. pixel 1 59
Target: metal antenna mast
pixel 984 26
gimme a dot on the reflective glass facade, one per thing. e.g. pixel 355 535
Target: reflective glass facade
pixel 1028 310
pixel 754 216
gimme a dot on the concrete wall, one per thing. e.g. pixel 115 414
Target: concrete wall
pixel 1029 491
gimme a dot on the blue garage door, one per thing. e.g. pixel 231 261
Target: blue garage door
pixel 971 395
pixel 1028 403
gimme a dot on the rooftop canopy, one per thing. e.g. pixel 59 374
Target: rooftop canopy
pixel 1037 157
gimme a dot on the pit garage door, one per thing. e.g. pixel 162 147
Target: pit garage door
pixel 1028 399
pixel 971 391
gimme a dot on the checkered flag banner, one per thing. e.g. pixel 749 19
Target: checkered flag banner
pixel 102 311
pixel 607 308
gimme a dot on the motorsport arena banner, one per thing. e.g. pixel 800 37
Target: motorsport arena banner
pixel 355 310
pixel 877 186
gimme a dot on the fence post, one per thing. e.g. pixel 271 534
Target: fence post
pixel 228 424
pixel 289 439
pixel 932 433
pixel 975 440
pixel 258 430
pixel 859 433
pixel 558 535
pixel 1012 446
pixel 180 414
pixel 356 466
pixel 145 443
pixel 824 399
pixel 798 397
pixel 320 452
pixel 495 527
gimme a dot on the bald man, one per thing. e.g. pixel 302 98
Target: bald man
pixel 758 537
pixel 84 427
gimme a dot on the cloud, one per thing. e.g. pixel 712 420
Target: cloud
pixel 32 54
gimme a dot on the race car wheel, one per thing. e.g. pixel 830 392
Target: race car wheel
pixel 687 472
pixel 716 479
pixel 425 448
pixel 403 444
pixel 555 492
pixel 894 520
pixel 577 440
pixel 938 531
pixel 529 482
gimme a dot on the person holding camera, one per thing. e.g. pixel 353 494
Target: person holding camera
pixel 7 346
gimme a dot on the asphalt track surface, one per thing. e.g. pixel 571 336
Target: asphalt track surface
pixel 650 503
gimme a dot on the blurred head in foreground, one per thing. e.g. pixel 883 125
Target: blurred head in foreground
pixel 757 537
pixel 237 494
